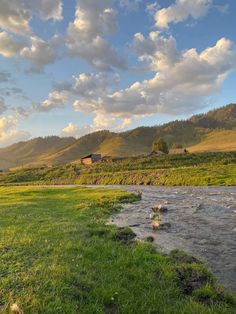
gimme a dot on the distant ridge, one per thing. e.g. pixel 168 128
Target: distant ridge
pixel 204 132
pixel 23 153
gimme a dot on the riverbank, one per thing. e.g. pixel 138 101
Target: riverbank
pixel 59 255
pixel 221 175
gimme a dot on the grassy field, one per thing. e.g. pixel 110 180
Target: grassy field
pixel 190 169
pixel 59 256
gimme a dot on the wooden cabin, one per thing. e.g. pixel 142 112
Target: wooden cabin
pixel 91 159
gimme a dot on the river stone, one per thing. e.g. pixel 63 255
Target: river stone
pixel 160 208
pixel 200 207
pixel 155 225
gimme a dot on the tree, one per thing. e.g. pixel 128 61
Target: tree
pixel 160 145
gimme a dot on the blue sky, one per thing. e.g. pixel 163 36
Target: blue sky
pixel 72 67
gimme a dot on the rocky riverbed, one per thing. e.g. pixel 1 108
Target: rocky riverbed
pixel 202 222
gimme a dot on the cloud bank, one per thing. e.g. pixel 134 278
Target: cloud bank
pixel 182 82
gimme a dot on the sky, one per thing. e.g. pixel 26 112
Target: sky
pixel 72 67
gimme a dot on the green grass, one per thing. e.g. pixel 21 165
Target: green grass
pixel 190 169
pixel 59 256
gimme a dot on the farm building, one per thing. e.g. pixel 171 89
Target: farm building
pixel 178 151
pixel 91 159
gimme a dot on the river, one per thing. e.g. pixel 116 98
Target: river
pixel 203 223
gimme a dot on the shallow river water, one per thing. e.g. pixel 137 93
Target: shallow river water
pixel 203 223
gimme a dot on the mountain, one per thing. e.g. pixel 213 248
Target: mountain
pixel 31 151
pixel 81 147
pixel 213 131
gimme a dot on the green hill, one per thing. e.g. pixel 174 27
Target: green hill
pixel 204 132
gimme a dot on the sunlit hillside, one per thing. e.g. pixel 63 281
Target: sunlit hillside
pixel 222 140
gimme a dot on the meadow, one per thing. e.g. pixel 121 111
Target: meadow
pixel 59 256
pixel 187 170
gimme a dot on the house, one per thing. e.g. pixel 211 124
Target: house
pixel 178 151
pixel 91 159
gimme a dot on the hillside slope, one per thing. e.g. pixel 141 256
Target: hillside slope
pixel 220 140
pixel 199 133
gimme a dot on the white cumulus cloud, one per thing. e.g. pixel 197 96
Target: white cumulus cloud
pixel 9 46
pixel 9 134
pixel 37 51
pixel 40 52
pixel 180 11
pixel 74 130
pixel 15 15
pixel 56 99
pixel 88 85
pixel 71 130
pixel 47 9
pixel 6 123
pixel 85 39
